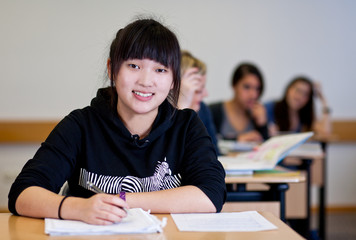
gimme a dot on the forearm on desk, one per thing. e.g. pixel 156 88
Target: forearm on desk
pixel 186 199
pixel 38 202
pixel 41 203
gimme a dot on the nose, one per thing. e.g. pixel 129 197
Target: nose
pixel 145 78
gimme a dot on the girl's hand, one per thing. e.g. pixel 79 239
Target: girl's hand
pixel 318 93
pixel 190 83
pixel 100 209
pixel 272 129
pixel 251 136
pixel 259 114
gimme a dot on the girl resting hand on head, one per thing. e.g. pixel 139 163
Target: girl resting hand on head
pixel 295 111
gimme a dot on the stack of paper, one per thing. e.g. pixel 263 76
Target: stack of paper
pixel 137 221
pixel 222 222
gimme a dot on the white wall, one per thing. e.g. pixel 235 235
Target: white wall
pixel 53 54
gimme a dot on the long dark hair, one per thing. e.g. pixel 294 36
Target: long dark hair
pixel 146 38
pixel 306 113
pixel 244 69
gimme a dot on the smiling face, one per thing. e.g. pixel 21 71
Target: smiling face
pixel 247 91
pixel 142 85
pixel 298 95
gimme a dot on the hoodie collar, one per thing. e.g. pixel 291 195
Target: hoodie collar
pixel 163 121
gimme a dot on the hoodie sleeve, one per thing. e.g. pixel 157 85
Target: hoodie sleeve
pixel 53 162
pixel 201 167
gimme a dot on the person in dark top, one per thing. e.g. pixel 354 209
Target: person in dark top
pixel 131 142
pixel 242 118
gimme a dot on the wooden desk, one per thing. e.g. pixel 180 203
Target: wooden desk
pixel 279 175
pixel 277 180
pixel 23 228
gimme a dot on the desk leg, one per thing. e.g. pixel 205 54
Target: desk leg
pixel 280 191
pixel 322 214
pixel 302 226
pixel 306 165
pixel 322 196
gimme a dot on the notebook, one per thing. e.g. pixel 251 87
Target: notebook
pixel 137 221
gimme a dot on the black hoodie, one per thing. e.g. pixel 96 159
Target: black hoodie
pixel 92 144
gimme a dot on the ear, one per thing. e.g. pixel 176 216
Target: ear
pixel 108 67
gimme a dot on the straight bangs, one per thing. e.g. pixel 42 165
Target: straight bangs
pixel 157 47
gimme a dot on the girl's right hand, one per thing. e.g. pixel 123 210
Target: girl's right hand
pixel 100 209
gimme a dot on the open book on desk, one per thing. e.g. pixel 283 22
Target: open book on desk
pixel 137 221
pixel 266 156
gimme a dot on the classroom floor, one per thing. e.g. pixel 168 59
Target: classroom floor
pixel 340 226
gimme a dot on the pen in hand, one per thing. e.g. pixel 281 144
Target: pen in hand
pixel 95 189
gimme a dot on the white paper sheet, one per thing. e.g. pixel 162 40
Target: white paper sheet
pixel 222 222
pixel 137 221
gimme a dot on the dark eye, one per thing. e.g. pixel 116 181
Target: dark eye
pixel 246 86
pixel 161 70
pixel 133 66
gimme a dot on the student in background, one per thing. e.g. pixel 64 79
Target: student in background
pixel 131 142
pixel 193 90
pixel 295 111
pixel 242 118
